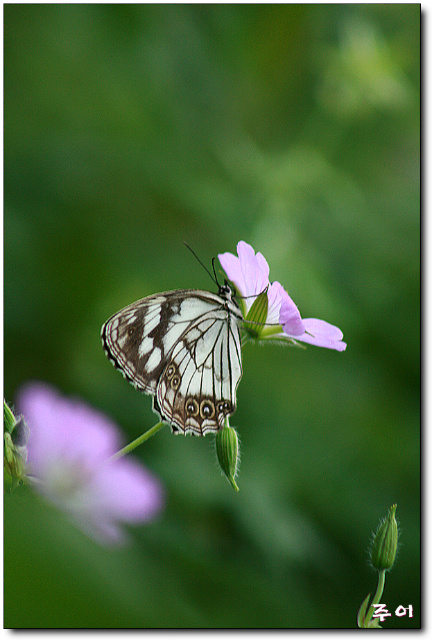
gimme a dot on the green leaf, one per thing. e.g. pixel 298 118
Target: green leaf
pixel 362 612
pixel 374 624
pixel 257 314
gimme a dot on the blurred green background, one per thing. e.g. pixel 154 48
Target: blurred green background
pixel 130 128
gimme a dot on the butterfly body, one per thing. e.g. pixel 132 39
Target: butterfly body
pixel 183 347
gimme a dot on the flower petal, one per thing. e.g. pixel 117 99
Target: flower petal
pixel 231 265
pixel 289 316
pixel 275 294
pixel 126 491
pixel 249 272
pixel 66 426
pixel 69 449
pixel 255 270
pixel 322 334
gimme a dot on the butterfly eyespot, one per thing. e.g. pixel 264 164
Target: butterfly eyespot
pixel 131 331
pixel 170 371
pixel 175 382
pixel 192 407
pixel 223 407
pixel 207 409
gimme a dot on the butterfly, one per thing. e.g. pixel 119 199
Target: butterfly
pixel 183 348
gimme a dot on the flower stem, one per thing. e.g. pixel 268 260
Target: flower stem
pixel 135 443
pixel 376 598
pixel 271 330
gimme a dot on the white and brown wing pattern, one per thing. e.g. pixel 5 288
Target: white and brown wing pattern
pixel 183 348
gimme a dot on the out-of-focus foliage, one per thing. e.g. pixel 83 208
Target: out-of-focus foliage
pixel 130 128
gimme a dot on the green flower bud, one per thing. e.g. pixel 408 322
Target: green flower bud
pixel 385 542
pixel 227 451
pixel 14 447
pixel 257 314
pixel 9 418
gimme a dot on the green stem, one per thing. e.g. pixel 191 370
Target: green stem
pixel 271 330
pixel 135 443
pixel 376 598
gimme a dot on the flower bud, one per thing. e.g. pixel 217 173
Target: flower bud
pixel 15 446
pixel 257 314
pixel 385 542
pixel 227 451
pixel 9 418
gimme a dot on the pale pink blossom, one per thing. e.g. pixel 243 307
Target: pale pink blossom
pixel 249 272
pixel 69 450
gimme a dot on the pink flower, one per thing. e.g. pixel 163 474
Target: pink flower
pixel 68 455
pixel 249 272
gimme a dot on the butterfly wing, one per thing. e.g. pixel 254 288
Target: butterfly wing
pixel 132 340
pixel 197 388
pixel 183 347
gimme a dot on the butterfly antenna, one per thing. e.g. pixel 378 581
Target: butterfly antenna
pixel 202 263
pixel 214 271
